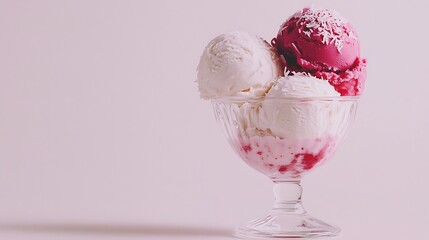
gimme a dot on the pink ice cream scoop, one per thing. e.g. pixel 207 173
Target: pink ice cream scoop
pixel 324 44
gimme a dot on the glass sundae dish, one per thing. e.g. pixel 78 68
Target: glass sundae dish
pixel 285 107
pixel 304 133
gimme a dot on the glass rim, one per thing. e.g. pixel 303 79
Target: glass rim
pixel 285 99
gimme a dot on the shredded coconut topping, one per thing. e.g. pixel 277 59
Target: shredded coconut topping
pixel 327 24
pixel 288 72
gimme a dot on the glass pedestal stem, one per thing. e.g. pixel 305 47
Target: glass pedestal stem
pixel 287 196
pixel 287 218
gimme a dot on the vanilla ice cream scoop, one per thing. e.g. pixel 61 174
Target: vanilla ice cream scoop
pixel 296 118
pixel 300 85
pixel 237 64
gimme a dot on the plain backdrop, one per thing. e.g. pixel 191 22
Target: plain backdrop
pixel 103 134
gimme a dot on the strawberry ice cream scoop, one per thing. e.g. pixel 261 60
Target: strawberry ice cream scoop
pixel 324 44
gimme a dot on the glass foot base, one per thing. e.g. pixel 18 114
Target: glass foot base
pixel 286 225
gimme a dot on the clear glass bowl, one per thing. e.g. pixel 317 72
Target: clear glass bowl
pixel 284 139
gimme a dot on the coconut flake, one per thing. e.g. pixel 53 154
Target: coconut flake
pixel 328 24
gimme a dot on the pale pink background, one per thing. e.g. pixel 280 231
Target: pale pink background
pixel 103 134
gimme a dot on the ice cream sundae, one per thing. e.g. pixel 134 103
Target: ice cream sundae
pixel 285 107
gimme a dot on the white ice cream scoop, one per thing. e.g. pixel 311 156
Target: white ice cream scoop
pixel 301 86
pixel 237 64
pixel 296 118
